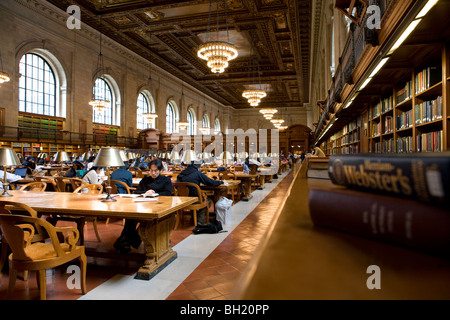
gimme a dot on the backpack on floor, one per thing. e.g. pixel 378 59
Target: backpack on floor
pixel 212 227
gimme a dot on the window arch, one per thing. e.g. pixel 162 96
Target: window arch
pixel 145 104
pixel 170 118
pixel 205 121
pixel 191 119
pixel 37 86
pixel 217 125
pixel 102 90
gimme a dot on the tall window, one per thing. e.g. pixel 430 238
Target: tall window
pixel 37 86
pixel 170 119
pixel 144 105
pixel 191 122
pixel 217 125
pixel 103 91
pixel 205 121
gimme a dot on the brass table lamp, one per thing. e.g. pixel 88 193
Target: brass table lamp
pixel 8 157
pixel 108 157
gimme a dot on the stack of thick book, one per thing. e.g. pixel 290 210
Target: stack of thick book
pixel 402 199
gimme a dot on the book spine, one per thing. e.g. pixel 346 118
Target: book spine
pixel 401 222
pixel 424 178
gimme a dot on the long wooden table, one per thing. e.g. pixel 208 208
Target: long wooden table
pixel 157 219
pixel 223 189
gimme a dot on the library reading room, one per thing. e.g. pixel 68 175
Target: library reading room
pixel 224 150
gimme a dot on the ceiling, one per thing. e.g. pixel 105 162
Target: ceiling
pixel 272 37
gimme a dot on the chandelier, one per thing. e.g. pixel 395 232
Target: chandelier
pixel 4 77
pixel 268 113
pixel 150 117
pixel 277 122
pixel 254 96
pixel 100 105
pixel 217 53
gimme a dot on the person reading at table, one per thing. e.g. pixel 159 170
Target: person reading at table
pixel 193 174
pixel 150 184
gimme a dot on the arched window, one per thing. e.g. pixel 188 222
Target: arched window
pixel 192 128
pixel 170 118
pixel 205 121
pixel 102 91
pixel 217 125
pixel 145 104
pixel 37 86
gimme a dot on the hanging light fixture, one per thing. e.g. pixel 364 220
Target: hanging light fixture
pixel 254 96
pixel 217 53
pixel 256 93
pixel 268 113
pixel 150 118
pixel 277 122
pixel 4 77
pixel 100 105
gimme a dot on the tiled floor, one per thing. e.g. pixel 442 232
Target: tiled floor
pixel 213 277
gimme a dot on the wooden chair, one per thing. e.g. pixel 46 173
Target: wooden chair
pixel 51 184
pixel 27 256
pixel 76 183
pixel 226 175
pixel 114 186
pixel 61 183
pixel 6 208
pixel 181 189
pixel 34 186
pixel 81 221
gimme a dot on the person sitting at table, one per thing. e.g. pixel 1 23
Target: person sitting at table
pixel 10 177
pixel 29 162
pixel 94 176
pixel 122 174
pixel 150 184
pixel 193 174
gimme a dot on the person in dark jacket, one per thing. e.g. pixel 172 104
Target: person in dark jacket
pixel 193 175
pixel 153 183
pixel 29 162
pixel 122 174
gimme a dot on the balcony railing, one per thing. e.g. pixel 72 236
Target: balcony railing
pixel 358 39
pixel 60 136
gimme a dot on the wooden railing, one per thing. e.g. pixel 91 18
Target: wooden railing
pixel 61 136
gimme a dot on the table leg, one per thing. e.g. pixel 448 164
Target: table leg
pixel 156 236
pixel 247 190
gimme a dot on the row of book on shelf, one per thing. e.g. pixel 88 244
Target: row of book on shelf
pixel 401 199
pixel 424 112
pixel 426 142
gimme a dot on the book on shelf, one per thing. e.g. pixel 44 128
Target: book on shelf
pixel 404 93
pixel 403 222
pixel 427 78
pixel 421 176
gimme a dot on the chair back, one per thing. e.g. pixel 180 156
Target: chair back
pixel 225 175
pixel 77 182
pixel 60 184
pixel 34 186
pixel 20 230
pixel 181 189
pixel 48 181
pixel 238 168
pixel 254 169
pixel 12 207
pixel 114 184
pixel 90 189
